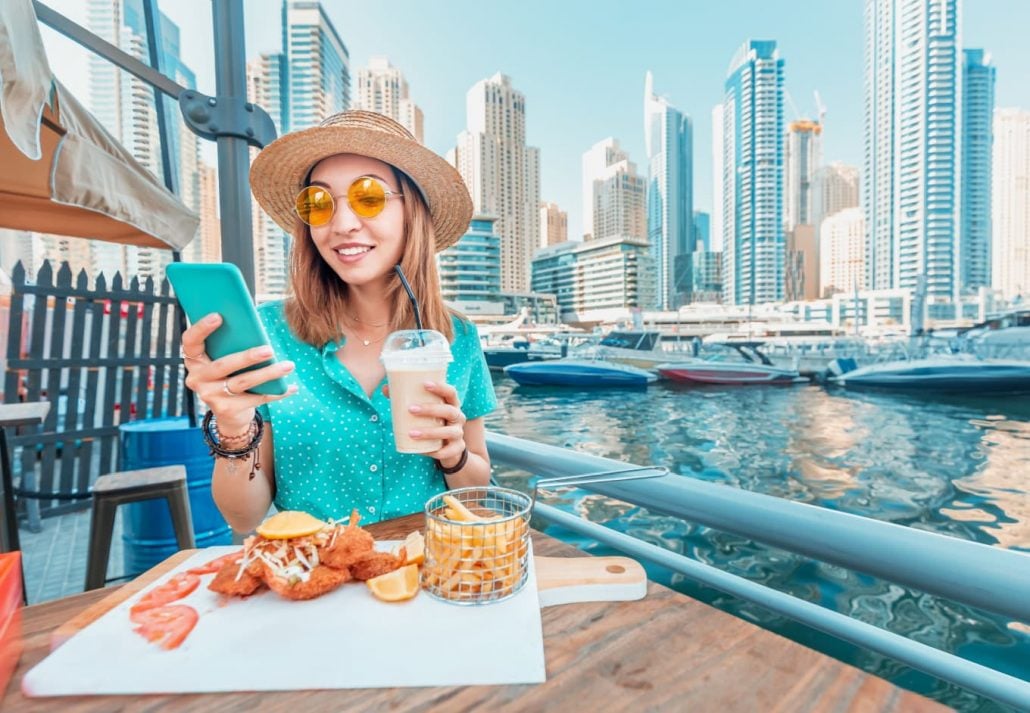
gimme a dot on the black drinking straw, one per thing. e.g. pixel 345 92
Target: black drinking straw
pixel 414 303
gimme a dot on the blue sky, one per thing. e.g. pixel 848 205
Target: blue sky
pixel 581 63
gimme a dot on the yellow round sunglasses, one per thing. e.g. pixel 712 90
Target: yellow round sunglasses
pixel 366 196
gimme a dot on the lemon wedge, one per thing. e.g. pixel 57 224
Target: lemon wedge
pixel 289 524
pixel 395 586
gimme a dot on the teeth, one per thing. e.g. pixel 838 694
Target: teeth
pixel 354 251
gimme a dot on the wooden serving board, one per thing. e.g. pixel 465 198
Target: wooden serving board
pixel 560 580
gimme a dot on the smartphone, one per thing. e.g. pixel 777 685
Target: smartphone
pixel 203 288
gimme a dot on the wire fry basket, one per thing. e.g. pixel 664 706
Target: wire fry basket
pixel 481 560
pixel 477 539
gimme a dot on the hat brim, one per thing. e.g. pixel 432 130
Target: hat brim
pixel 280 169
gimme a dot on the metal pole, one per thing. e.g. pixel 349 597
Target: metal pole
pixel 233 156
pixel 155 50
pixel 982 576
pixel 949 667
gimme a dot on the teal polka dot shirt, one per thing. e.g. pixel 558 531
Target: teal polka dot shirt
pixel 334 446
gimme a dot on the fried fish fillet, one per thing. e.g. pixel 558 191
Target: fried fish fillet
pixel 226 581
pixel 321 580
pixel 374 564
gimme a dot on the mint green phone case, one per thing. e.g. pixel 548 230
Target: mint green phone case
pixel 203 288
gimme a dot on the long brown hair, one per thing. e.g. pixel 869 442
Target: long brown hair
pixel 317 303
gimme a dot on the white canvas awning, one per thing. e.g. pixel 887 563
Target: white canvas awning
pixel 60 171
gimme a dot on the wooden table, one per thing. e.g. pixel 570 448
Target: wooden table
pixel 665 652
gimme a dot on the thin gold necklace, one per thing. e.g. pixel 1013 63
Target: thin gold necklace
pixel 367 324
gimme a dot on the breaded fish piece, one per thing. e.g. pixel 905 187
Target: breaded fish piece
pixel 347 545
pixel 374 564
pixel 320 581
pixel 225 581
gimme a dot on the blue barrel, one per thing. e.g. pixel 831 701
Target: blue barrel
pixel 147 532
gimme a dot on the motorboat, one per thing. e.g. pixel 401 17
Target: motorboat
pixel 640 348
pixel 583 373
pixel 733 363
pixel 953 373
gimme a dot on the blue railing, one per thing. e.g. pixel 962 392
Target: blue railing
pixel 978 575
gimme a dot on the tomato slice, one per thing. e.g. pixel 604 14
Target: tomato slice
pixel 214 565
pixel 174 589
pixel 167 626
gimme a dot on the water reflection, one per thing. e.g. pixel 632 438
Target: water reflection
pixel 956 466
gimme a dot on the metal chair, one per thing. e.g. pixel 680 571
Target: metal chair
pixel 132 486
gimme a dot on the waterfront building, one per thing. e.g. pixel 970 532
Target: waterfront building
pixel 614 194
pixel 754 249
pixel 382 88
pixel 593 276
pixel 978 75
pixel 502 173
pixel 843 251
pixel 912 138
pixel 554 225
pixel 668 137
pixel 1010 203
pixel 470 270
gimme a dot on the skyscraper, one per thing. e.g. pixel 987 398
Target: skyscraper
pixel 752 176
pixel 382 88
pixel 1010 203
pixel 668 137
pixel 977 134
pixel 614 194
pixel 912 124
pixel 318 66
pixel 836 188
pixel 702 230
pixel 554 225
pixel 502 173
pixel 125 106
pixel 470 270
pixel 804 156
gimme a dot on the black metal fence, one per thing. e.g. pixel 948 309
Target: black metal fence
pixel 101 356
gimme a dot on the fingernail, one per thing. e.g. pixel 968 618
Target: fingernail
pixel 212 318
pixel 414 408
pixel 414 434
pixel 430 384
pixel 292 389
pixel 286 366
pixel 263 351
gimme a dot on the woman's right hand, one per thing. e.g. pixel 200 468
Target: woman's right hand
pixel 226 395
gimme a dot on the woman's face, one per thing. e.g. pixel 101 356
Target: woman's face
pixel 360 250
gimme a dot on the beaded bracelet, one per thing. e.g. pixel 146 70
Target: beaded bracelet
pixel 217 449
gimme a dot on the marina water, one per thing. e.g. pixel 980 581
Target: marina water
pixel 958 466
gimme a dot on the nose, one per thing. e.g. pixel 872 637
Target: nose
pixel 344 220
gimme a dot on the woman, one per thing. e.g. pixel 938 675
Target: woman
pixel 359 195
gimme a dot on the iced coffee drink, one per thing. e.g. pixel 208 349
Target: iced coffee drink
pixel 412 357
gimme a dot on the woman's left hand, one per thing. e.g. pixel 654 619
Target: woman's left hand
pixel 452 432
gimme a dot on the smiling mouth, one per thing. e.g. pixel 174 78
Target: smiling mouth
pixel 349 252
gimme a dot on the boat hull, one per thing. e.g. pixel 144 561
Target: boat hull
pixel 968 377
pixel 742 376
pixel 578 374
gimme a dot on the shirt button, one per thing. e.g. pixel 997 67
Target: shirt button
pixel 373 467
pixel 374 418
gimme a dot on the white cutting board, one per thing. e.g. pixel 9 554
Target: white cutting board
pixel 345 639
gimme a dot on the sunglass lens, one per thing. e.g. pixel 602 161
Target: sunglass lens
pixel 367 197
pixel 315 206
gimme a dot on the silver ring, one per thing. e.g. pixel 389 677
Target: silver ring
pixel 227 390
pixel 187 357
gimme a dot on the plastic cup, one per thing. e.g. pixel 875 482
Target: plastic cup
pixel 412 357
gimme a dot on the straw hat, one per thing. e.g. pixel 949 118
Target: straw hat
pixel 279 171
